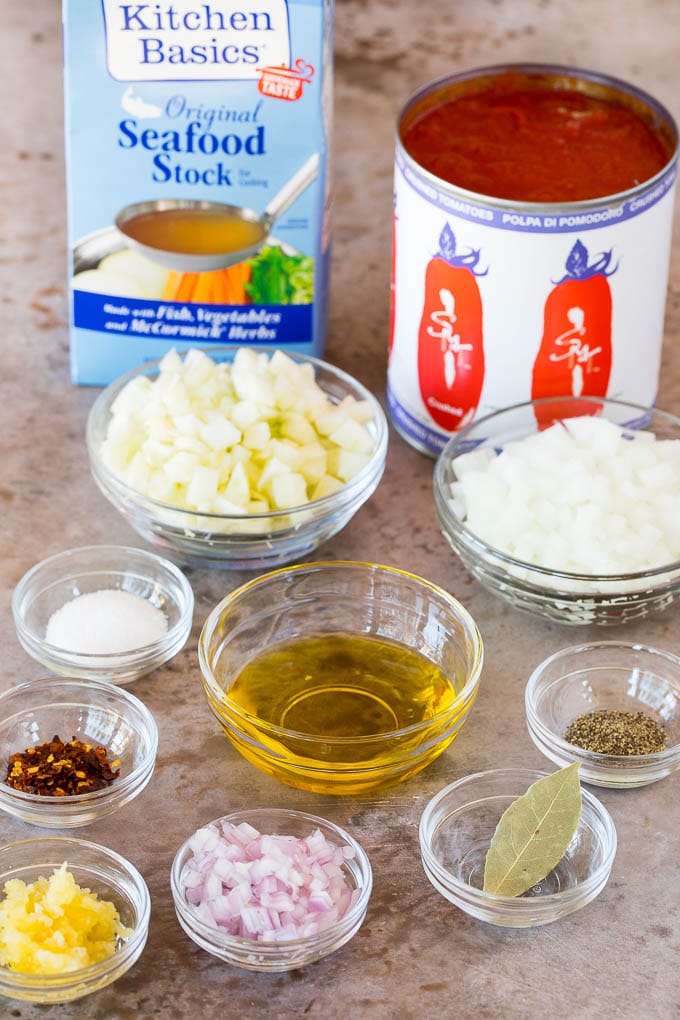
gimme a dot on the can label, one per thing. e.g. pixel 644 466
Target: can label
pixel 493 306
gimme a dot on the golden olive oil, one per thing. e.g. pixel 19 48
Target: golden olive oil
pixel 342 685
pixel 343 713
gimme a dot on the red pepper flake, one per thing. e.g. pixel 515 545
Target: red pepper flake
pixel 58 769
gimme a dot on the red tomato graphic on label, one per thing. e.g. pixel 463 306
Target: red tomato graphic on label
pixel 575 355
pixel 450 337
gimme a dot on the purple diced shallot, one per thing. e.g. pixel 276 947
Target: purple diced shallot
pixel 267 887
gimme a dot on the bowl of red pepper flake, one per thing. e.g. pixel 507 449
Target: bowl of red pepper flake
pixel 72 751
pixel 59 769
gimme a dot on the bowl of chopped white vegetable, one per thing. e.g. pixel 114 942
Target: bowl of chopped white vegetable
pixel 568 507
pixel 234 457
pixel 271 889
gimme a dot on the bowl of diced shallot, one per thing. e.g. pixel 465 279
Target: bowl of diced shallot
pixel 567 507
pixel 235 457
pixel 271 889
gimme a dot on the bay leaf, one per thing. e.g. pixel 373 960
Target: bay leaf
pixel 533 833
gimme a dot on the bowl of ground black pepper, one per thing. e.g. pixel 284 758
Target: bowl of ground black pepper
pixel 613 707
pixel 72 751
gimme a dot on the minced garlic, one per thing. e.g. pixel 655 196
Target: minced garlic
pixel 53 926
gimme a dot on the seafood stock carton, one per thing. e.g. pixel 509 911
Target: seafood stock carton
pixel 197 158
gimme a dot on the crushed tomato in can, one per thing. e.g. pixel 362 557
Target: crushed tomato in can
pixel 532 226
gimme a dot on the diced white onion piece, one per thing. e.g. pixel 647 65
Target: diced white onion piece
pixel 203 436
pixel 583 496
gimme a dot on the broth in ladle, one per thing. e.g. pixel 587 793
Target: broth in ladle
pixel 195 231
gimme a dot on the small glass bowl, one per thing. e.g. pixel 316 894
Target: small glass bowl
pixel 456 829
pixel 329 599
pixel 101 871
pixel 564 597
pixel 61 578
pixel 248 541
pixel 92 711
pixel 278 956
pixel 606 675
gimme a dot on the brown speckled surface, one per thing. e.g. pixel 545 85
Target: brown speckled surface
pixel 416 955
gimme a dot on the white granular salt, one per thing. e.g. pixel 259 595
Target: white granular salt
pixel 106 622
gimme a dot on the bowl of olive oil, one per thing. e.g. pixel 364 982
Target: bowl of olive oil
pixel 340 677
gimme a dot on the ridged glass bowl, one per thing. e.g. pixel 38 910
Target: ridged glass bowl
pixel 246 541
pixel 103 872
pixel 561 596
pixel 347 738
pixel 59 579
pixel 93 712
pixel 456 829
pixel 606 676
pixel 270 956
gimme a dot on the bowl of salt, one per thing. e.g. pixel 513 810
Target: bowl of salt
pixel 109 612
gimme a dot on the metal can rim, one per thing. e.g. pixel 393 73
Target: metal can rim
pixel 611 83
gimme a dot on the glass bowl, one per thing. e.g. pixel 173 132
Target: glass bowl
pixel 351 734
pixel 456 829
pixel 57 580
pixel 609 676
pixel 564 597
pixel 246 541
pixel 272 956
pixel 101 871
pixel 92 711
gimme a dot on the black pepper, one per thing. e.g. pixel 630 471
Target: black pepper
pixel 613 732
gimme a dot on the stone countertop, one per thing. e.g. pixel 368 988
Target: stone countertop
pixel 416 954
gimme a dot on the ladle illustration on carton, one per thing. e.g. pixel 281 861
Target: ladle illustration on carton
pixel 192 235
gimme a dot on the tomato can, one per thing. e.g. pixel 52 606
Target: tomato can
pixel 499 300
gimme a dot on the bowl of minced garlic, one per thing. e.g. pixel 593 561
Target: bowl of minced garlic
pixel 74 917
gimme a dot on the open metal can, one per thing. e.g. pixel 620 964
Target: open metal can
pixel 500 300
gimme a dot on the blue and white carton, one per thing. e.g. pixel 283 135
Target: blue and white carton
pixel 182 109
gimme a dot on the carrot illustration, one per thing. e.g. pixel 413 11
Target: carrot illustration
pixel 450 337
pixel 575 355
pixel 220 286
pixel 171 284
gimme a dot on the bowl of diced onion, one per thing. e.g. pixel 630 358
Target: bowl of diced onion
pixel 271 889
pixel 234 457
pixel 567 507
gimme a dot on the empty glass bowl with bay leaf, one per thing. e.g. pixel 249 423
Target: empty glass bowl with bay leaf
pixel 456 830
